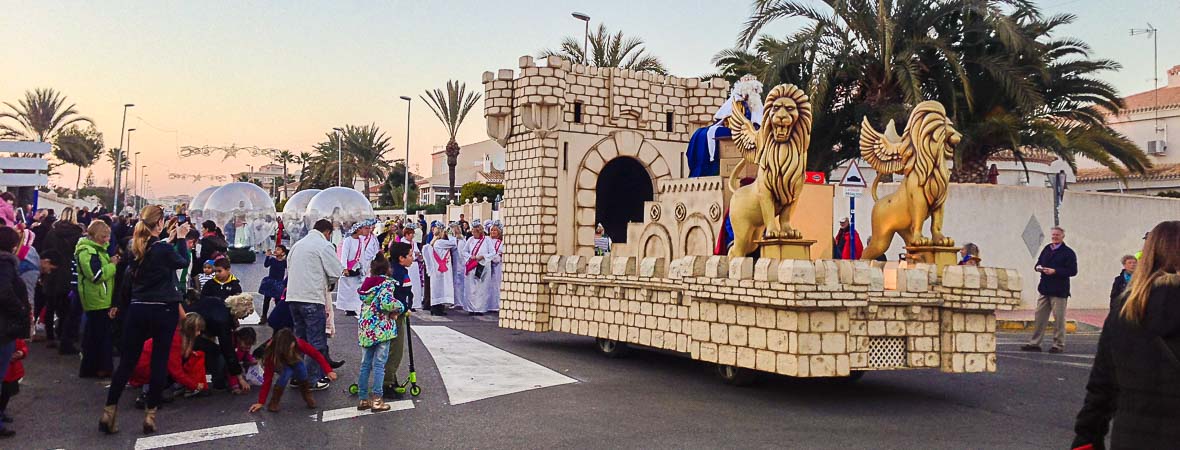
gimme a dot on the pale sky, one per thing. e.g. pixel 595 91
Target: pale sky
pixel 282 73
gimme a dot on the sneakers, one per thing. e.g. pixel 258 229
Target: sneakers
pixel 1030 348
pixel 390 392
pixel 322 384
pixel 335 364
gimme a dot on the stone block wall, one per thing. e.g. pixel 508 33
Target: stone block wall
pixel 796 318
pixel 608 98
pixel 531 112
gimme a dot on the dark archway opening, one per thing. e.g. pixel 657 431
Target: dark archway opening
pixel 623 186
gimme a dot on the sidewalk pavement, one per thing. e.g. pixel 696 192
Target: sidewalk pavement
pixel 1085 320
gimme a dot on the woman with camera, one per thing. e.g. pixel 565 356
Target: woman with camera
pixel 152 309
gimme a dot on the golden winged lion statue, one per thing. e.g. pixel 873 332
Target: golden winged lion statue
pixel 779 149
pixel 920 155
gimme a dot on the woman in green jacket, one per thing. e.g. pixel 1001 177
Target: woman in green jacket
pixel 96 283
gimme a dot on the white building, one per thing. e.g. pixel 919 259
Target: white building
pixel 481 161
pixel 1151 120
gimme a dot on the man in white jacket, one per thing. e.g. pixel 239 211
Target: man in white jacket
pixel 313 268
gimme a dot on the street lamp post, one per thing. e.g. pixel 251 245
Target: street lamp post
pixel 128 151
pixel 406 163
pixel 585 36
pixel 135 182
pixel 119 159
pixel 142 183
pixel 340 157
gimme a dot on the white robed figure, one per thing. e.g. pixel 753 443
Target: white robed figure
pixel 459 254
pixel 496 234
pixel 417 268
pixel 438 264
pixel 356 252
pixel 478 269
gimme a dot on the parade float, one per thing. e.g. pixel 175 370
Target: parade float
pixel 589 145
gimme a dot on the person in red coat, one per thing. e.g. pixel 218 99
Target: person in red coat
pixel 11 385
pixel 845 241
pixel 185 365
pixel 285 355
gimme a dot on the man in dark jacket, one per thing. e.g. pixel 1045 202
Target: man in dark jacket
pixel 1057 264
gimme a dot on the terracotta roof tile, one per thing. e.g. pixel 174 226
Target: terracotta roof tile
pixel 1169 96
pixel 1159 172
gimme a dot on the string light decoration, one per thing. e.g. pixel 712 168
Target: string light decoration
pixel 227 152
pixel 196 177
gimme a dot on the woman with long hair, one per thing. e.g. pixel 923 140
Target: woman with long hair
pixel 152 310
pixel 63 239
pixel 1136 376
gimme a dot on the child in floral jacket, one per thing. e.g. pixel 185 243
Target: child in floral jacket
pixel 378 327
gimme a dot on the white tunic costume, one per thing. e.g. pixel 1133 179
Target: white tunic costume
pixel 479 289
pixel 438 265
pixel 459 254
pixel 354 253
pixel 496 273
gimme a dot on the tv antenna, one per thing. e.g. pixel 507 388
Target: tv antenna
pixel 1153 32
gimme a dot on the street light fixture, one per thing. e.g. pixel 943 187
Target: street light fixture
pixel 136 186
pixel 142 182
pixel 406 163
pixel 119 158
pixel 340 157
pixel 128 151
pixel 585 36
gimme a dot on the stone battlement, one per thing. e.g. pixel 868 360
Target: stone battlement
pixel 793 317
pixel 562 96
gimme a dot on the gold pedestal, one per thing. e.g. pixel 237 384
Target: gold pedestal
pixel 779 248
pixel 939 256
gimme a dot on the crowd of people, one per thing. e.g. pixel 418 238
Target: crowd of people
pixel 111 286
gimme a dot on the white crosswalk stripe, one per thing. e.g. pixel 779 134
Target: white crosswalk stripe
pixel 351 411
pixel 474 370
pixel 195 436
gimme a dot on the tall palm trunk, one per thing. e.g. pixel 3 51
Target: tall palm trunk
pixel 285 183
pixel 452 161
pixel 78 182
pixel 972 168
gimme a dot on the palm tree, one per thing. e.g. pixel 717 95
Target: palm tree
pixel 607 50
pixel 113 155
pixel 451 108
pixel 78 147
pixel 39 116
pixel 284 157
pixel 991 62
pixel 303 158
pixel 366 147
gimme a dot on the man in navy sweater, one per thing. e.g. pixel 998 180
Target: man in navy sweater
pixel 1056 264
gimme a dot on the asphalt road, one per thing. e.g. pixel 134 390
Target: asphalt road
pixel 648 400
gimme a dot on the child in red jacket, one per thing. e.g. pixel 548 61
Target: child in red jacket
pixel 11 385
pixel 185 365
pixel 285 354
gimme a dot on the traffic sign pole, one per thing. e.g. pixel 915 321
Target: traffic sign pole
pixel 851 244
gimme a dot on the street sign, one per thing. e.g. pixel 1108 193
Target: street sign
pixel 854 191
pixel 852 176
pixel 816 178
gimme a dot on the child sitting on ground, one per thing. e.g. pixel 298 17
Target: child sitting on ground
pixel 185 365
pixel 11 384
pixel 244 338
pixel 378 325
pixel 285 356
pixel 205 275
pixel 224 283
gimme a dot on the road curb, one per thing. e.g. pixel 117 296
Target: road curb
pixel 1071 326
